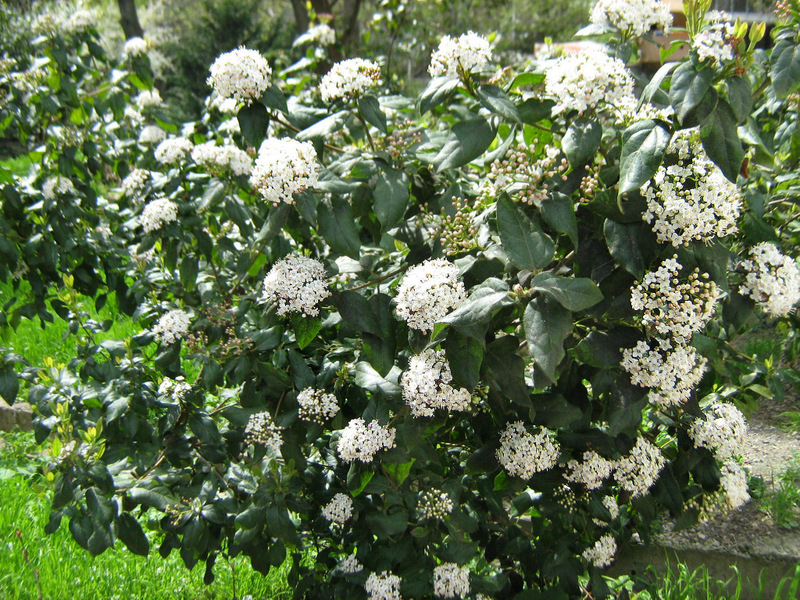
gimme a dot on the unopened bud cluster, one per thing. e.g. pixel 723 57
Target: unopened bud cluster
pixel 459 232
pixel 434 504
pixel 525 178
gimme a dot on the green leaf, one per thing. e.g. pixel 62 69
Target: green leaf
pixel 466 142
pixel 559 213
pixel 533 110
pixel 465 355
pixel 551 594
pixel 526 244
pixel 480 306
pixel 391 197
pixel 204 427
pixel 547 324
pixel 740 97
pixel 305 328
pixel 338 228
pixel 370 380
pixel 253 121
pixel 643 147
pixel 385 526
pixel 399 472
pixel 370 109
pixel 603 349
pixel 582 141
pixel 507 369
pixel 785 63
pixel 9 384
pixel 130 532
pixel 358 477
pixel 497 101
pixel 573 293
pixel 554 411
pixel 324 127
pixel 188 272
pixel 274 98
pixel 373 315
pixel 689 87
pixel 437 91
pixel 101 508
pixel 653 88
pixel 721 141
pixel 624 244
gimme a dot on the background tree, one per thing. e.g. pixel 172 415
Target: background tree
pixel 129 19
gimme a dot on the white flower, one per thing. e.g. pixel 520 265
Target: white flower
pixel 523 454
pixel 152 134
pixel 733 483
pixel 283 168
pixel 316 406
pixel 226 156
pixel 772 279
pixel 230 127
pixel 158 213
pixel 360 441
pixel 352 77
pixel 673 308
pixel 297 284
pixel 147 98
pixel 635 17
pixel 588 79
pixel 383 586
pixel 690 199
pixel 262 430
pixel 714 42
pixel 135 182
pixel 80 20
pixel 469 51
pixel 173 150
pixel 435 504
pixel 172 326
pixel 135 46
pixel 611 506
pixel 350 565
pixel 241 74
pixel 591 471
pixel 426 385
pixel 321 35
pixel 57 186
pixel 174 388
pixel 428 292
pixel 638 471
pixel 723 430
pixel 602 553
pixel 671 372
pixel 450 581
pixel 627 112
pixel 339 509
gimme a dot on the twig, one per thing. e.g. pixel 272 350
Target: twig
pixel 379 279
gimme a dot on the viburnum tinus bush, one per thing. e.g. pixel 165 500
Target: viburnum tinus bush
pixel 457 346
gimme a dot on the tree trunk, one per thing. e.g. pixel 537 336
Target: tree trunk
pixel 129 19
pixel 300 15
pixel 350 21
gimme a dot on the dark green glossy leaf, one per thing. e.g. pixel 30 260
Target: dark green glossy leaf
pixel 385 526
pixel 479 307
pixel 526 244
pixel 559 213
pixel 506 369
pixel 369 379
pixel 130 532
pixel 740 97
pixel 337 225
pixel 466 142
pixel 253 121
pixel 625 245
pixel 497 101
pixel 9 384
pixel 643 147
pixel 785 66
pixel 533 110
pixel 305 328
pixel 573 293
pixel 721 141
pixel 438 90
pixel 690 85
pixel 465 355
pixel 391 197
pixel 274 98
pixel 603 349
pixel 554 412
pixel 370 109
pixel 582 141
pixel 547 324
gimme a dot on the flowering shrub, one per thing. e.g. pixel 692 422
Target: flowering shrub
pixel 381 353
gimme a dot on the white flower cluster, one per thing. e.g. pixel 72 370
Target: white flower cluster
pixel 772 280
pixel 602 553
pixel 152 134
pixel 673 308
pixel 173 150
pixel 81 20
pixel 435 504
pixel 450 581
pixel 134 46
pixel 158 213
pixel 57 186
pixel 611 506
pixel 321 34
pixel 638 471
pixel 241 74
pixel 428 292
pixel 671 371
pixel 262 430
pixel 588 79
pixel 360 441
pixel 135 182
pixel 297 284
pixel 635 17
pixel 283 168
pixel 627 112
pixel 383 586
pixel 426 385
pixel 714 42
pixel 691 199
pixel 723 430
pixel 339 509
pixel 591 471
pixel 733 483
pixel 522 454
pixel 316 406
pixel 350 565
pixel 147 98
pixel 468 52
pixel 227 156
pixel 174 388
pixel 172 326
pixel 352 77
